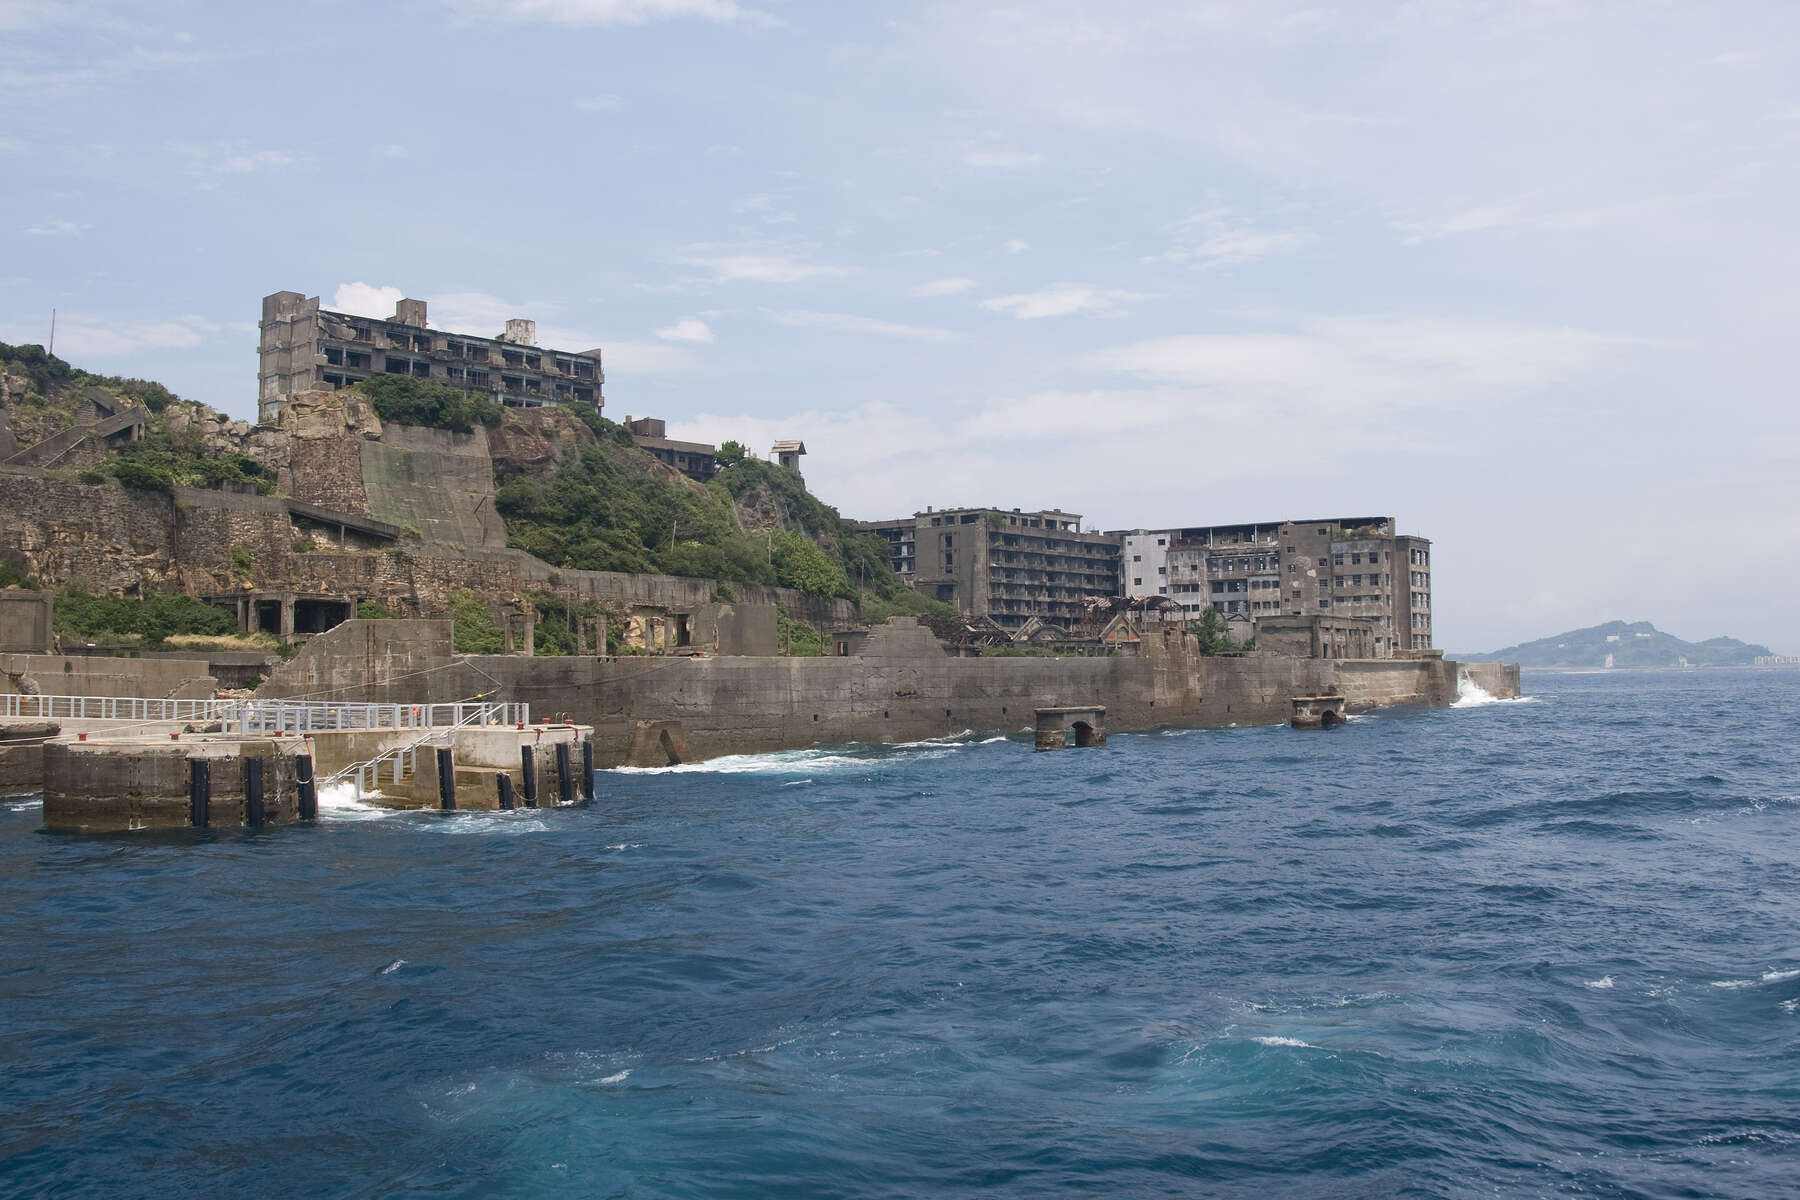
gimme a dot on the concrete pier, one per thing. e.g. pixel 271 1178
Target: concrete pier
pixel 1058 728
pixel 1317 712
pixel 146 782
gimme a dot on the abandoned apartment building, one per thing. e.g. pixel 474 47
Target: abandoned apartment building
pixel 1008 566
pixel 1348 567
pixel 306 347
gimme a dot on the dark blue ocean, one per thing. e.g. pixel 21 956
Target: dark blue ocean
pixel 1540 948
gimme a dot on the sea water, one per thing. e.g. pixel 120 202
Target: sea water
pixel 1544 947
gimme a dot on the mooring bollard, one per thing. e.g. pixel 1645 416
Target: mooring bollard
pixel 306 785
pixel 446 761
pixel 587 768
pixel 565 776
pixel 253 792
pixel 503 781
pixel 528 776
pixel 199 793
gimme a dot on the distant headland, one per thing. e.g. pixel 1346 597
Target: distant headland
pixel 1622 645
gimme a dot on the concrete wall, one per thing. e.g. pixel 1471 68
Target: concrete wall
pixel 25 621
pixel 81 675
pixel 101 786
pixel 1497 679
pixel 439 482
pixel 900 688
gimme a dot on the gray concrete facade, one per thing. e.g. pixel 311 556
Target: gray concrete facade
pixel 304 347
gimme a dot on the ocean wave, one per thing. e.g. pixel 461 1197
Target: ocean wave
pixel 1600 984
pixel 1284 1041
pixel 1470 694
pixel 338 802
pixel 814 758
pixel 1766 977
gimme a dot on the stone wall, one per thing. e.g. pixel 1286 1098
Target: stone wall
pixel 901 688
pixel 25 621
pixel 82 675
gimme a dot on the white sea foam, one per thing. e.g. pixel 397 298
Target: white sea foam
pixel 1779 976
pixel 510 824
pixel 1605 981
pixel 815 759
pixel 338 802
pixel 392 967
pixel 1284 1041
pixel 1470 694
pixel 1767 977
pixel 621 1077
pixel 992 740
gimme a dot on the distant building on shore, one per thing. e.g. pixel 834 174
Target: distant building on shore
pixel 306 347
pixel 694 459
pixel 1349 567
pixel 1006 565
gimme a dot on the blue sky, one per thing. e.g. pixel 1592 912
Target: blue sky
pixel 1521 274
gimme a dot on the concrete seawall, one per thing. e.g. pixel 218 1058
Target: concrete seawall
pixel 900 688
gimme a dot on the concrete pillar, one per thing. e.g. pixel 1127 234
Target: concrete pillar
pixel 530 635
pixel 287 617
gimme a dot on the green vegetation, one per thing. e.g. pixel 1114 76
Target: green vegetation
pixel 609 508
pixel 1210 629
pixel 374 610
pixel 475 631
pixel 241 561
pixel 84 616
pixel 731 453
pixel 797 638
pixel 408 401
pixel 46 372
pixel 556 621
pixel 13 575
pixel 799 563
pixel 156 464
pixel 907 602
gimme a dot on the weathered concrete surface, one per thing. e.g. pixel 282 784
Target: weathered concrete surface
pixel 1497 679
pixel 22 755
pixel 143 784
pixel 900 688
pixel 25 621
pixel 83 675
pixel 439 482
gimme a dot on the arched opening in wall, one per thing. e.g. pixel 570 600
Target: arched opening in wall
pixel 668 748
pixel 1084 733
pixel 1330 720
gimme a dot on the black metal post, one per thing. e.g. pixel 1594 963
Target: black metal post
pixel 446 763
pixel 528 777
pixel 503 781
pixel 199 793
pixel 565 775
pixel 587 768
pixel 253 792
pixel 306 785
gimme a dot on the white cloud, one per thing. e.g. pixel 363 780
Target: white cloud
pixel 851 323
pixel 31 14
pixel 1017 246
pixel 952 286
pixel 82 335
pixel 1372 365
pixel 57 227
pixel 687 329
pixel 243 162
pixel 756 267
pixel 1060 300
pixel 592 104
pixel 1002 160
pixel 602 12
pixel 1214 238
pixel 365 300
pixel 624 359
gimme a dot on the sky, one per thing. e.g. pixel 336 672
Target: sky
pixel 1524 275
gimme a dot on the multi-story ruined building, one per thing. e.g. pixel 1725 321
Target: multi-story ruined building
pixel 306 347
pixel 1351 567
pixel 1006 565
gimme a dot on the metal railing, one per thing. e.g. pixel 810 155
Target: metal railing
pixel 397 764
pixel 300 716
pixel 116 708
pixel 266 716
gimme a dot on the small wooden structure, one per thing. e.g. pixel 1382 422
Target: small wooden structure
pixel 1317 712
pixel 1058 728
